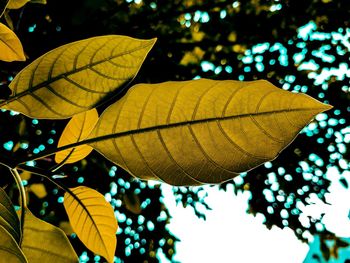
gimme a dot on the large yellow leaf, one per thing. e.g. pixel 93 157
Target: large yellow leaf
pixel 9 250
pixel 200 131
pixel 8 217
pixel 77 129
pixel 43 242
pixel 10 46
pixel 76 77
pixel 16 4
pixel 92 219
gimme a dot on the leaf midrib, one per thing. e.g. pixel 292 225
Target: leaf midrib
pixel 68 73
pixel 90 141
pixel 191 122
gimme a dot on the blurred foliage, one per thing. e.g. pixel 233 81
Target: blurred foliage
pixel 213 39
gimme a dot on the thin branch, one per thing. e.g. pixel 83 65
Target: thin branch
pixel 22 191
pixel 42 173
pixel 59 165
pixel 22 195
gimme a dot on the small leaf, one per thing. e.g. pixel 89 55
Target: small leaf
pixel 77 129
pixel 43 2
pixel 43 242
pixel 8 217
pixel 39 190
pixel 200 131
pixel 344 182
pixel 10 46
pixel 76 77
pixel 92 219
pixel 16 4
pixel 9 250
pixel 192 57
pixel 341 243
pixel 8 20
pixel 132 203
pixel 25 175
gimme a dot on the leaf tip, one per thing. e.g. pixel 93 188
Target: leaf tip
pixel 327 107
pixel 153 41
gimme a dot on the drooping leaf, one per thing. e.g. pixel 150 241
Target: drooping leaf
pixel 92 219
pixel 8 20
pixel 43 242
pixel 3 4
pixel 200 131
pixel 77 129
pixel 16 4
pixel 76 77
pixel 10 46
pixel 9 249
pixel 8 217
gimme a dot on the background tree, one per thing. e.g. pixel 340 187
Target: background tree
pixel 242 40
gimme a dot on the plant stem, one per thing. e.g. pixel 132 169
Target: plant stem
pixel 22 194
pixel 22 191
pixel 42 173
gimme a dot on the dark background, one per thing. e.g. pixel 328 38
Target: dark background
pixel 184 42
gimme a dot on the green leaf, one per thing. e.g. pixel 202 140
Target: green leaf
pixel 77 129
pixel 76 77
pixel 92 219
pixel 8 217
pixel 200 131
pixel 43 242
pixel 9 250
pixel 10 46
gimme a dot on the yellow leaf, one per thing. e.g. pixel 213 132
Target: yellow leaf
pixel 92 219
pixel 8 217
pixel 192 57
pixel 10 46
pixel 43 242
pixel 43 2
pixel 239 48
pixel 232 37
pixel 9 249
pixel 66 227
pixel 200 131
pixel 77 129
pixel 39 190
pixel 25 175
pixel 198 36
pixel 75 77
pixel 16 4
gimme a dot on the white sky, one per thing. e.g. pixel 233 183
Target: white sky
pixel 229 234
